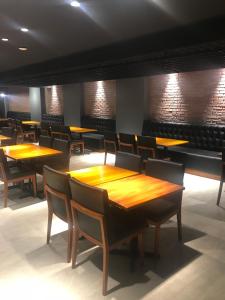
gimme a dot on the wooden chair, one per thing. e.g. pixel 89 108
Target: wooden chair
pixel 127 142
pixel 63 132
pixel 110 143
pixel 25 131
pixel 146 147
pixel 45 128
pixel 45 141
pixel 57 193
pixel 161 210
pixel 105 226
pixel 14 174
pixel 128 161
pixel 222 177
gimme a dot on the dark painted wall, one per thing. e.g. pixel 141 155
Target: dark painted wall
pixel 73 95
pixel 131 104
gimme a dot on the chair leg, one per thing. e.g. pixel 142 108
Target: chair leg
pixel 34 182
pixel 5 194
pixel 157 237
pixel 179 226
pixel 75 238
pixel 141 247
pixel 70 235
pixel 105 157
pixel 50 214
pixel 105 270
pixel 82 148
pixel 220 192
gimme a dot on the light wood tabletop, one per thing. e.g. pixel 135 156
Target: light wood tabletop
pixel 32 123
pixel 100 174
pixel 135 191
pixel 169 142
pixel 3 138
pixel 81 130
pixel 28 151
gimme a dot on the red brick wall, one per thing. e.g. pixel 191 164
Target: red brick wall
pixel 100 99
pixel 18 99
pixel 191 97
pixel 54 100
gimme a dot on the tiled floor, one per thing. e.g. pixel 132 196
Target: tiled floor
pixel 30 269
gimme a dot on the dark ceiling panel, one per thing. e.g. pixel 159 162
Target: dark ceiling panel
pixel 108 39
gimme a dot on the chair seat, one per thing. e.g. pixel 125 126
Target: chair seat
pixel 122 224
pixel 159 209
pixel 16 172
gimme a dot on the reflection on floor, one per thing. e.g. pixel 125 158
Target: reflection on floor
pixel 29 269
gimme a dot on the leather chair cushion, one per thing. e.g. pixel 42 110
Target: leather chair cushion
pixel 16 172
pixel 121 224
pixel 159 209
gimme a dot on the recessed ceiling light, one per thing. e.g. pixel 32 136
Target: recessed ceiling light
pixel 5 39
pixel 23 48
pixel 2 95
pixel 75 4
pixel 24 29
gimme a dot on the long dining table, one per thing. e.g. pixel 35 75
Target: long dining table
pixel 126 189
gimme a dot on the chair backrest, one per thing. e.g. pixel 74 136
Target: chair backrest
pixel 110 136
pixel 146 146
pixel 57 192
pixel 8 131
pixel 110 142
pixel 146 141
pixel 60 131
pixel 127 138
pixel 4 168
pixel 165 170
pixel 45 128
pixel 128 161
pixel 90 204
pixel 61 145
pixel 45 141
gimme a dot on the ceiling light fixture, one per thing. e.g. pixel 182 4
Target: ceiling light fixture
pixel 5 39
pixel 75 4
pixel 2 95
pixel 24 29
pixel 23 48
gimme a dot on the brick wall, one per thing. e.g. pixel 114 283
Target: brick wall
pixel 54 100
pixel 18 99
pixel 100 99
pixel 191 97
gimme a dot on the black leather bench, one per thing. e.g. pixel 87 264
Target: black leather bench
pixel 204 148
pixel 53 119
pixel 95 141
pixel 197 159
pixel 18 115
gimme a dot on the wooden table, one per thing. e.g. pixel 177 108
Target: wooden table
pixel 100 174
pixel 169 142
pixel 31 123
pixel 28 151
pixel 3 138
pixel 135 191
pixel 81 130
